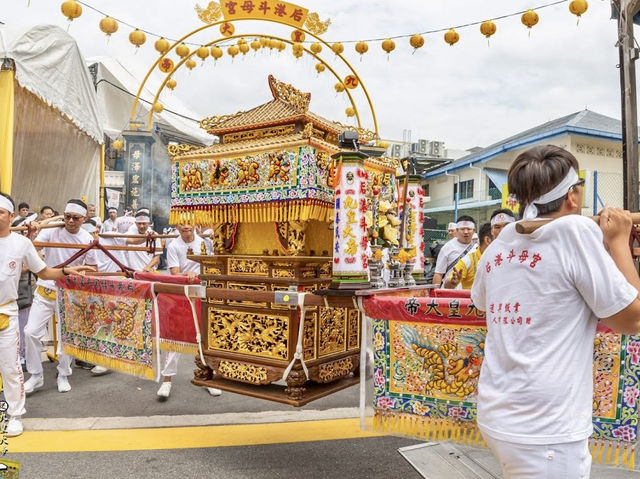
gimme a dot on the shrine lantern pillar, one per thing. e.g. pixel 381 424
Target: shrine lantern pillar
pixel 350 241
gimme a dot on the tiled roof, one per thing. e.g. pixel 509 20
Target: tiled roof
pixel 584 122
pixel 274 112
pixel 260 144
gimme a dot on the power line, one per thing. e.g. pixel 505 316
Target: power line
pixel 425 32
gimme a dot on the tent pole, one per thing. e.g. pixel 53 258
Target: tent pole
pixel 6 128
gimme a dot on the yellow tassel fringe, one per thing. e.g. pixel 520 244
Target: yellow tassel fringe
pixel 617 453
pixel 121 365
pixel 297 210
pixel 178 347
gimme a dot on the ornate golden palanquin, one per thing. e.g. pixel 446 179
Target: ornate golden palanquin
pixel 250 343
pixel 267 192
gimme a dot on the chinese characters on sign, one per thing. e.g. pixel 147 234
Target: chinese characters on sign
pixel 271 10
pixel 350 258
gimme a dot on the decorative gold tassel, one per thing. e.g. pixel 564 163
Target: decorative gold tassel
pixel 632 458
pixel 616 455
pixel 609 451
pixel 625 450
pixel 599 452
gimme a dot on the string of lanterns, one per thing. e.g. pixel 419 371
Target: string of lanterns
pixel 109 25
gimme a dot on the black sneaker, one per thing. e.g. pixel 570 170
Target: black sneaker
pixel 83 364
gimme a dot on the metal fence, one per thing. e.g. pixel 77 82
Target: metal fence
pixel 606 190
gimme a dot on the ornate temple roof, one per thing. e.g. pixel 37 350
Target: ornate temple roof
pixel 256 144
pixel 288 105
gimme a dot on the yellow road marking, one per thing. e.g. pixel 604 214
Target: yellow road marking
pixel 187 437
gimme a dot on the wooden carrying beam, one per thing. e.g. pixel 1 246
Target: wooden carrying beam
pixel 44 244
pixel 528 227
pixel 282 297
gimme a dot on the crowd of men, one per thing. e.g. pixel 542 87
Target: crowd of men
pixel 25 323
pixel 458 258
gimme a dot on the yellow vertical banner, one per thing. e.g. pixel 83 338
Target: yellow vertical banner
pixel 6 130
pixel 507 202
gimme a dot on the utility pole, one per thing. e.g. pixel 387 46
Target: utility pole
pixel 627 9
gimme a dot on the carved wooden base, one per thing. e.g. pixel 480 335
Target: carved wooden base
pixel 273 392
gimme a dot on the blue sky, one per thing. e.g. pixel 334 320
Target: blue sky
pixel 470 94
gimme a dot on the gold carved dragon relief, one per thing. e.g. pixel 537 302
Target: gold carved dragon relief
pixel 254 334
pixel 247 373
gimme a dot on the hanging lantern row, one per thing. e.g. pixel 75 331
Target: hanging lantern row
pixel 108 25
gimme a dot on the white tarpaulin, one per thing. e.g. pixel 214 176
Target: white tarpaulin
pixel 50 65
pixel 57 131
pixel 117 86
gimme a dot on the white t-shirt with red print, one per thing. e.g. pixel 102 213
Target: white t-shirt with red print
pixel 542 294
pixel 15 250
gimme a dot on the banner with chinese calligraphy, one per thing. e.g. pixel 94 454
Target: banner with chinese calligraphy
pixel 107 321
pixel 350 259
pixel 427 358
pixel 283 185
pixel 270 10
pixel 414 226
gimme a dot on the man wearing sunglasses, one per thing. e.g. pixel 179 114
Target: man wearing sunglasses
pixel 44 301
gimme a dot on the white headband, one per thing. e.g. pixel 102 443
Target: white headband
pixel 113 209
pixel 143 219
pixel 6 204
pixel 452 226
pixel 502 218
pixel 465 224
pixel 89 227
pixel 75 208
pixel 531 211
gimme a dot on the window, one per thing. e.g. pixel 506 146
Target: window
pixel 466 189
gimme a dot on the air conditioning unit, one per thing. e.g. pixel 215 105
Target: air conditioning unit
pixel 436 148
pixel 422 146
pixel 396 150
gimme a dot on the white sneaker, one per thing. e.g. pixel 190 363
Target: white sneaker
pixel 34 382
pixel 13 427
pixel 164 390
pixel 214 391
pixel 99 370
pixel 63 384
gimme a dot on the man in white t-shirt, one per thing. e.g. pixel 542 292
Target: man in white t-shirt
pixel 109 225
pixel 178 264
pixel 15 251
pixel 44 300
pixel 143 260
pixel 455 248
pixel 543 294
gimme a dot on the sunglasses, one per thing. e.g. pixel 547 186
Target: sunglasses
pixel 72 217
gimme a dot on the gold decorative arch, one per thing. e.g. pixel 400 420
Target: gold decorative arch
pixel 312 21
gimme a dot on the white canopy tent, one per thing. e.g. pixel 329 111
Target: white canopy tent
pixel 50 128
pixel 117 85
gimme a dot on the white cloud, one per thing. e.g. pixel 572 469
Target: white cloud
pixel 466 95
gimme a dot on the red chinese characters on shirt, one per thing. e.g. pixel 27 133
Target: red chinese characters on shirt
pixel 508 314
pixel 523 258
